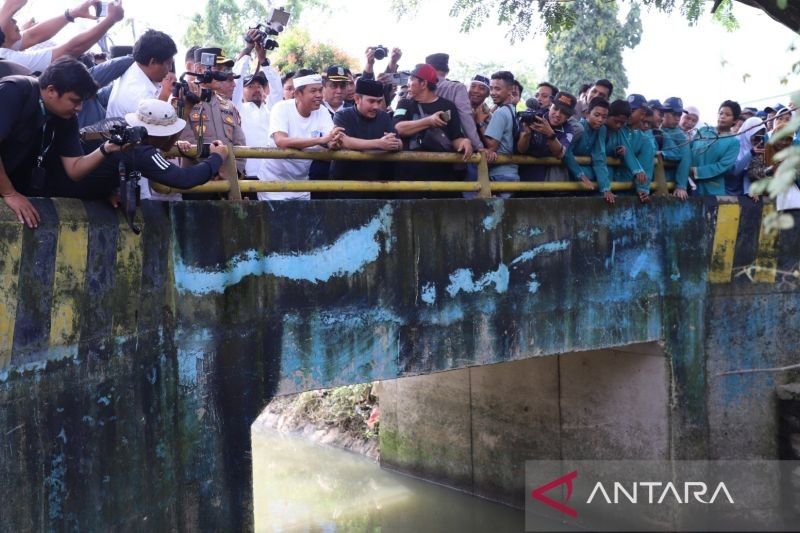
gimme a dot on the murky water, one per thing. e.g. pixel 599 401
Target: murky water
pixel 299 486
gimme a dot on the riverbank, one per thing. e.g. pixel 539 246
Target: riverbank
pixel 344 417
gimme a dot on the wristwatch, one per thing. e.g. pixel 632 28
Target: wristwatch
pixel 69 17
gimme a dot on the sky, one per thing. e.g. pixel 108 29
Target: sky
pixel 704 65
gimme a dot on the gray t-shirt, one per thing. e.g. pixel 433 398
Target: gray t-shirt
pixel 501 128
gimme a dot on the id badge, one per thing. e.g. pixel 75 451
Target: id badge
pixel 38 178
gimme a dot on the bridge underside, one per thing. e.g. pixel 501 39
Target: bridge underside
pixel 132 367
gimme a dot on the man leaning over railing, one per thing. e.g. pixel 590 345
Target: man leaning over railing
pixel 366 127
pixel 299 124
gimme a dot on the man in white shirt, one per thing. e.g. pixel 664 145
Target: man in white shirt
pixel 255 117
pixel 298 124
pixel 149 77
pixel 38 60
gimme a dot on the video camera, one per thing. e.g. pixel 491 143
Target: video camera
pixel 277 23
pixel 122 134
pixel 533 113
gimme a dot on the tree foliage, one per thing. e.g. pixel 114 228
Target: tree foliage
pixel 223 23
pixel 297 50
pixel 591 47
pixel 524 17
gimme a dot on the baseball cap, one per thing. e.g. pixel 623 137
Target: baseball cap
pixel 565 102
pixel 258 77
pixel 749 111
pixel 769 109
pixel 336 73
pixel 673 104
pixel 781 109
pixel 655 104
pixel 439 61
pixel 425 72
pixel 637 101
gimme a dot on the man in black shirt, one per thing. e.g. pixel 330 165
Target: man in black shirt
pixel 39 129
pixel 422 111
pixel 366 127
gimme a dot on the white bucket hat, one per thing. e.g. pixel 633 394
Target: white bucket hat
pixel 158 117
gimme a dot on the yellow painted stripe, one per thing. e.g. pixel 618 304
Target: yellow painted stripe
pixel 128 280
pixel 767 256
pixel 10 257
pixel 724 247
pixel 69 278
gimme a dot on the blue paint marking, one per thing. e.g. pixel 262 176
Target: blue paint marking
pixel 429 293
pixel 533 284
pixel 350 253
pixel 555 246
pixel 191 353
pixel 443 317
pixel 57 488
pixel 104 400
pixel 492 221
pixel 463 280
pixel 62 436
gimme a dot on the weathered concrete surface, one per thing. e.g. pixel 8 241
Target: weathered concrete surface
pixel 485 422
pixel 154 354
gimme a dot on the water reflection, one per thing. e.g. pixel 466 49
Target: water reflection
pixel 302 487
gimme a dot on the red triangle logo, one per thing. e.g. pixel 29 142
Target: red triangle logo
pixel 538 493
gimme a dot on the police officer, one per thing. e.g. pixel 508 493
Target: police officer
pixel 218 117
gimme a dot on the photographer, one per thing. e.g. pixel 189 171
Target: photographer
pixel 39 138
pixel 163 129
pixel 546 133
pixel 273 88
pixel 149 77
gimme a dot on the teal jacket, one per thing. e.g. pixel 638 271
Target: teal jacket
pixel 677 150
pixel 590 143
pixel 713 157
pixel 639 155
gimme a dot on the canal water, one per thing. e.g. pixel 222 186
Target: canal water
pixel 300 486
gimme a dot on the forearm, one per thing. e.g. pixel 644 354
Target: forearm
pixel 290 143
pixel 524 142
pixel 491 144
pixel 185 178
pixel 78 167
pixel 6 187
pixel 555 147
pixel 43 31
pixel 352 143
pixel 407 128
pixel 83 41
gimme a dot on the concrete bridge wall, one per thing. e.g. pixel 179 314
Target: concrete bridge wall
pixel 132 367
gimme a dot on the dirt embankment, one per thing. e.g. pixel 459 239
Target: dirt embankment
pixel 345 417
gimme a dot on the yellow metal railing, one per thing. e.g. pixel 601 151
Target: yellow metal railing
pixel 483 186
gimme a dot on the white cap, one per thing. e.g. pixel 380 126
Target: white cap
pixel 158 117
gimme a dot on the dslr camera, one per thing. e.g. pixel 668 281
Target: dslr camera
pixel 533 113
pixel 122 134
pixel 381 52
pixel 266 30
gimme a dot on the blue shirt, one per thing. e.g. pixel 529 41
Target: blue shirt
pixel 712 157
pixel 677 149
pixel 592 143
pixel 501 129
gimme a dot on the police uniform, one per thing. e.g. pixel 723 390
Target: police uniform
pixel 221 121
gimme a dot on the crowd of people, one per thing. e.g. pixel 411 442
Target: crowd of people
pixel 55 96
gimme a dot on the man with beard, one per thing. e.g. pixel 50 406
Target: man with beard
pixel 299 124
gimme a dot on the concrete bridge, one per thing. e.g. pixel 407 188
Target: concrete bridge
pixel 131 367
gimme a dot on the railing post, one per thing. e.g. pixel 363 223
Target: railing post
pixel 660 176
pixel 483 177
pixel 232 175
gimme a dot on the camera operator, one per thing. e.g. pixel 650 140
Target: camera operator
pixel 546 133
pixel 149 77
pixel 38 60
pixel 39 138
pixel 299 124
pixel 220 119
pixel 163 129
pixel 273 88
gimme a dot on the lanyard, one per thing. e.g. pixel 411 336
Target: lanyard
pixel 44 149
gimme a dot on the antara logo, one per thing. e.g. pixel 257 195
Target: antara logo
pixel 656 492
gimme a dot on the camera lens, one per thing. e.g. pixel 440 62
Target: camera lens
pixel 380 53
